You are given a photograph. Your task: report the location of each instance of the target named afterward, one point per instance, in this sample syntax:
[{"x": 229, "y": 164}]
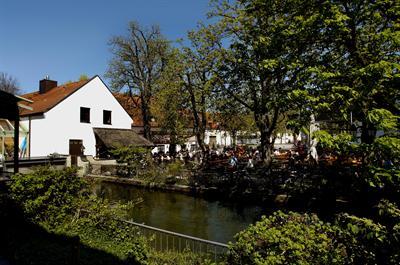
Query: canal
[{"x": 208, "y": 219}]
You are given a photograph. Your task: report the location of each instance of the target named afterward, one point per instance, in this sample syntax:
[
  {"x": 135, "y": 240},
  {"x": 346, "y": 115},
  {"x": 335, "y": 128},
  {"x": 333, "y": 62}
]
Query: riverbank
[
  {"x": 185, "y": 189},
  {"x": 202, "y": 191},
  {"x": 325, "y": 190}
]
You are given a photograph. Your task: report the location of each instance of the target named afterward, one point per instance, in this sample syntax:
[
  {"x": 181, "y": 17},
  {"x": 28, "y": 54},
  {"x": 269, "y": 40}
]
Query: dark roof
[
  {"x": 46, "y": 101},
  {"x": 120, "y": 137}
]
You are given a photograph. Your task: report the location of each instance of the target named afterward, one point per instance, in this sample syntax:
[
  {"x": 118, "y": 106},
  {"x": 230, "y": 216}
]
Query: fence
[{"x": 164, "y": 240}]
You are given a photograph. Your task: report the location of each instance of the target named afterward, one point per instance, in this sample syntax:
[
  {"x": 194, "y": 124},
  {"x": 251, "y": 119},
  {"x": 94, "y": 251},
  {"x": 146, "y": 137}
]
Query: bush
[
  {"x": 288, "y": 239},
  {"x": 373, "y": 241},
  {"x": 135, "y": 159},
  {"x": 363, "y": 238},
  {"x": 47, "y": 194},
  {"x": 57, "y": 201},
  {"x": 99, "y": 225}
]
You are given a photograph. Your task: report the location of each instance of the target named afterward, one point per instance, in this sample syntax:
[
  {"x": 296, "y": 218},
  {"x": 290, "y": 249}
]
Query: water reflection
[{"x": 212, "y": 220}]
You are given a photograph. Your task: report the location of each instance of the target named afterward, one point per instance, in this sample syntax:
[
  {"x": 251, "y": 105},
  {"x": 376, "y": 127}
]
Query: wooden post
[{"x": 16, "y": 139}]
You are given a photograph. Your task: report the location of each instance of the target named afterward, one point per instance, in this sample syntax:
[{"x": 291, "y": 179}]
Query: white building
[{"x": 63, "y": 117}]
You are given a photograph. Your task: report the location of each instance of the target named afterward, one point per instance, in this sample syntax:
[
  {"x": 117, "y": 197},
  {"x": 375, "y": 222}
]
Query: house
[
  {"x": 214, "y": 137},
  {"x": 64, "y": 118}
]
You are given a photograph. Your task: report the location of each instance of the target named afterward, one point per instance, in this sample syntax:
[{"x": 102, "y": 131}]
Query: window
[
  {"x": 106, "y": 116},
  {"x": 85, "y": 115}
]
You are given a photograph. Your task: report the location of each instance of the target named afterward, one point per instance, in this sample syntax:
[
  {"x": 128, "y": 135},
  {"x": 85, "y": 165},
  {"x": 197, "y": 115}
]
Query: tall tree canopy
[
  {"x": 137, "y": 63},
  {"x": 358, "y": 53},
  {"x": 170, "y": 103},
  {"x": 193, "y": 70},
  {"x": 269, "y": 43}
]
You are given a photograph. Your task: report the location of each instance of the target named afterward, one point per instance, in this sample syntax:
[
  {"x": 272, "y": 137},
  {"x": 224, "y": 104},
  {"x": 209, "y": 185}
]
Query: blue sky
[{"x": 64, "y": 39}]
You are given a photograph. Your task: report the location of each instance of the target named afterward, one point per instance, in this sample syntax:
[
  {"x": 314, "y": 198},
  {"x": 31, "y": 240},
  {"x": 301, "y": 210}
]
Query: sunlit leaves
[{"x": 383, "y": 119}]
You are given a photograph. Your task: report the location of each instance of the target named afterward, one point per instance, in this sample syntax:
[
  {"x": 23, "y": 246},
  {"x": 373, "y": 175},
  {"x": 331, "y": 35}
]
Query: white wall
[
  {"x": 62, "y": 123},
  {"x": 223, "y": 138}
]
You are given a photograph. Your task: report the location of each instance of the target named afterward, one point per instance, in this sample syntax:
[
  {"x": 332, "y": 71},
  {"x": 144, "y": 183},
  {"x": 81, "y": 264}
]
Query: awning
[{"x": 113, "y": 138}]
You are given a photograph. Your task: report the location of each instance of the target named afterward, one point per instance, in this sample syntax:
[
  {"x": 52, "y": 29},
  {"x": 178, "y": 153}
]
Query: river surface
[{"x": 212, "y": 220}]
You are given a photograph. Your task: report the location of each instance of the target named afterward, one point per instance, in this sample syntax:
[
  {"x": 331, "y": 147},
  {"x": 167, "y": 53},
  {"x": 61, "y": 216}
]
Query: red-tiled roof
[
  {"x": 46, "y": 101},
  {"x": 132, "y": 105}
]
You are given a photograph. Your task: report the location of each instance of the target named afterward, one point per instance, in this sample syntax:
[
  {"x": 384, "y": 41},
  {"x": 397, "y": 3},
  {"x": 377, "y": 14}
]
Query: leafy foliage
[
  {"x": 356, "y": 68},
  {"x": 257, "y": 71},
  {"x": 288, "y": 239},
  {"x": 341, "y": 143},
  {"x": 373, "y": 241},
  {"x": 56, "y": 201},
  {"x": 134, "y": 159},
  {"x": 170, "y": 103},
  {"x": 383, "y": 119},
  {"x": 46, "y": 194},
  {"x": 99, "y": 224}
]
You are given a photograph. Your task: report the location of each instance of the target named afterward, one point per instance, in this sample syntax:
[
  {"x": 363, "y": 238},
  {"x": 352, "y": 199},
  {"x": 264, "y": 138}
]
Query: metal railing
[{"x": 164, "y": 240}]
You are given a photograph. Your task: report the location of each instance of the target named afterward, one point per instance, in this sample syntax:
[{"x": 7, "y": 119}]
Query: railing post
[{"x": 188, "y": 241}]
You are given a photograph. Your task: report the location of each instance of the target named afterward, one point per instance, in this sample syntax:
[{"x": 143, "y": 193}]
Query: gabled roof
[{"x": 46, "y": 101}]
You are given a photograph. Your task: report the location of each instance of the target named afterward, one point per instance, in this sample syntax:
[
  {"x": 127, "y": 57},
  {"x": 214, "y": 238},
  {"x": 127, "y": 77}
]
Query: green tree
[
  {"x": 357, "y": 65},
  {"x": 198, "y": 76},
  {"x": 170, "y": 104},
  {"x": 234, "y": 119},
  {"x": 269, "y": 41},
  {"x": 195, "y": 67},
  {"x": 137, "y": 63}
]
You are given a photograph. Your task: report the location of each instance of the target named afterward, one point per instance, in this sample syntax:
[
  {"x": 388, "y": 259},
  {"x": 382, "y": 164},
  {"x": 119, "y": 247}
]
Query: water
[{"x": 211, "y": 220}]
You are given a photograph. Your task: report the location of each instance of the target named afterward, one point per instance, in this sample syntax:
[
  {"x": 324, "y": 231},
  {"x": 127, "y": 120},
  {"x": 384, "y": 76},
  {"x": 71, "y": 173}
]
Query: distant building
[
  {"x": 214, "y": 137},
  {"x": 63, "y": 118}
]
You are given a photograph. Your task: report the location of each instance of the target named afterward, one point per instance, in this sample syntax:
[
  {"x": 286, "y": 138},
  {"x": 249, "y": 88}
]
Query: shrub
[
  {"x": 373, "y": 241},
  {"x": 57, "y": 201},
  {"x": 47, "y": 194},
  {"x": 288, "y": 239},
  {"x": 363, "y": 238},
  {"x": 135, "y": 159},
  {"x": 99, "y": 225}
]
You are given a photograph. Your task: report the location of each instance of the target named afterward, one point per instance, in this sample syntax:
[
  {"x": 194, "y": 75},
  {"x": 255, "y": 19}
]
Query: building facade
[{"x": 63, "y": 117}]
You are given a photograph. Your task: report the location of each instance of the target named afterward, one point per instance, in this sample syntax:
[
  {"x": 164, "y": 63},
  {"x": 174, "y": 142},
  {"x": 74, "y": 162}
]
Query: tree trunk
[
  {"x": 367, "y": 134},
  {"x": 266, "y": 148},
  {"x": 146, "y": 119},
  {"x": 295, "y": 138},
  {"x": 234, "y": 134},
  {"x": 199, "y": 129},
  {"x": 172, "y": 149}
]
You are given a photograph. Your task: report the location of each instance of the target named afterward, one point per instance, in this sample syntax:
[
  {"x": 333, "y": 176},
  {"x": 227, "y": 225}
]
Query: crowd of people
[{"x": 237, "y": 157}]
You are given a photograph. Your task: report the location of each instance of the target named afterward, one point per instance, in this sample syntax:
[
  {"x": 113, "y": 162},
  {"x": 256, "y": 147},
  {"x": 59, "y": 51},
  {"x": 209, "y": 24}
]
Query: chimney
[{"x": 46, "y": 85}]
